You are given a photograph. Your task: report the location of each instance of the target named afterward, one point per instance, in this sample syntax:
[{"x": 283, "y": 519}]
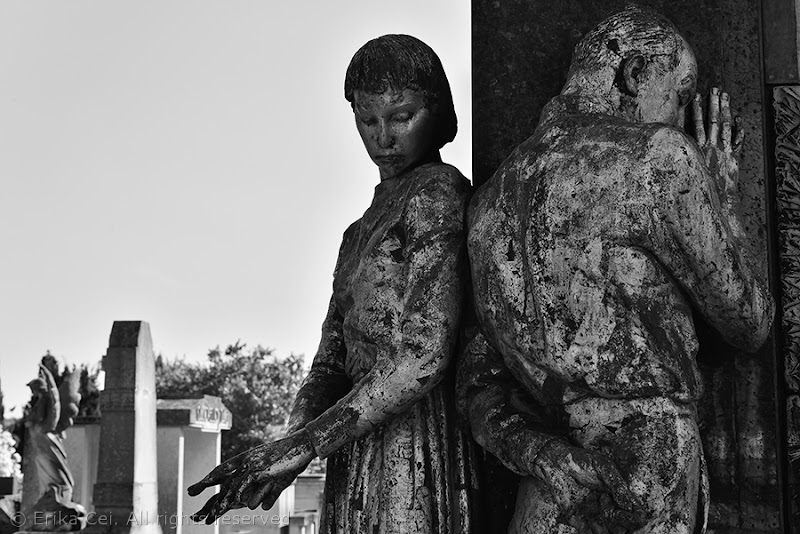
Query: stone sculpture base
[{"x": 55, "y": 512}]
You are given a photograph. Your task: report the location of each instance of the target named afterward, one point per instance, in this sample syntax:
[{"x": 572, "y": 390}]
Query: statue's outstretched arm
[
  {"x": 431, "y": 306},
  {"x": 700, "y": 241}
]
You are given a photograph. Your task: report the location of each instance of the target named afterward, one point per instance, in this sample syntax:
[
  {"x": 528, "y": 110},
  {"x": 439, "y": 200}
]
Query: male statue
[{"x": 592, "y": 248}]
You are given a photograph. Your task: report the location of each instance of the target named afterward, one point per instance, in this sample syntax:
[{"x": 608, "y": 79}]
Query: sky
[{"x": 189, "y": 163}]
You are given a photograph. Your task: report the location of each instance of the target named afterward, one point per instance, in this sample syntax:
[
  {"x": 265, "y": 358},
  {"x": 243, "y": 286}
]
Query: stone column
[{"x": 126, "y": 492}]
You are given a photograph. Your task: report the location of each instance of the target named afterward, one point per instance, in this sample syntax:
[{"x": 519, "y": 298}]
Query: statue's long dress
[{"x": 397, "y": 458}]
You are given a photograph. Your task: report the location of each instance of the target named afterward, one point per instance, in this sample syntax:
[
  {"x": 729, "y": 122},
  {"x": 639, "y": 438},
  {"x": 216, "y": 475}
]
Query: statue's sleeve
[
  {"x": 504, "y": 418},
  {"x": 695, "y": 244},
  {"x": 326, "y": 381},
  {"x": 434, "y": 268}
]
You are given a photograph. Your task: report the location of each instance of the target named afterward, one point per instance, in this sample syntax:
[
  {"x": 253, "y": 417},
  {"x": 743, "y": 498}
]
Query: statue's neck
[{"x": 578, "y": 102}]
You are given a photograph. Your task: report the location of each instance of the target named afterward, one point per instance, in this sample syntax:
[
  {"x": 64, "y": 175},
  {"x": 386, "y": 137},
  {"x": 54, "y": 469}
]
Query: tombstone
[
  {"x": 126, "y": 492},
  {"x": 521, "y": 54},
  {"x": 189, "y": 445}
]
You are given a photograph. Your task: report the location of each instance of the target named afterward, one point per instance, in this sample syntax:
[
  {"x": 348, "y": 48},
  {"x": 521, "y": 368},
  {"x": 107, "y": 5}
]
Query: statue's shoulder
[
  {"x": 351, "y": 232},
  {"x": 664, "y": 135},
  {"x": 439, "y": 171},
  {"x": 439, "y": 179},
  {"x": 670, "y": 148}
]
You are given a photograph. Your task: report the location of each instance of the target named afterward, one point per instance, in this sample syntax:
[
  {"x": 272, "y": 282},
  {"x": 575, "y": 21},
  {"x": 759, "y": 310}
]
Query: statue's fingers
[
  {"x": 275, "y": 491},
  {"x": 269, "y": 499},
  {"x": 257, "y": 495},
  {"x": 203, "y": 513},
  {"x": 616, "y": 486},
  {"x": 598, "y": 528},
  {"x": 738, "y": 140},
  {"x": 713, "y": 117},
  {"x": 225, "y": 502},
  {"x": 244, "y": 487},
  {"x": 699, "y": 126},
  {"x": 624, "y": 521},
  {"x": 725, "y": 120},
  {"x": 218, "y": 475}
]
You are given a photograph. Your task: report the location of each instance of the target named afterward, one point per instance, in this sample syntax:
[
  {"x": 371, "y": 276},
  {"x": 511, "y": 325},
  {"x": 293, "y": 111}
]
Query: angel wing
[{"x": 69, "y": 399}]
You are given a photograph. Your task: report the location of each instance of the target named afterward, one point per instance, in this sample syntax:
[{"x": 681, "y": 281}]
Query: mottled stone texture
[
  {"x": 126, "y": 492},
  {"x": 787, "y": 169},
  {"x": 387, "y": 340},
  {"x": 521, "y": 55}
]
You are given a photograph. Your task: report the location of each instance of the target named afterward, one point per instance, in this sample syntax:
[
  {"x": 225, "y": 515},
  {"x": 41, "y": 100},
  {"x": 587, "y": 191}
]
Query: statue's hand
[
  {"x": 722, "y": 145},
  {"x": 257, "y": 476},
  {"x": 588, "y": 484}
]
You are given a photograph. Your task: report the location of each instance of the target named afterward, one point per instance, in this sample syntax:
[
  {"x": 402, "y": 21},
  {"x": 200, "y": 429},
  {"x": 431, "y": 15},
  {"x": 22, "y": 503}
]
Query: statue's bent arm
[
  {"x": 326, "y": 381},
  {"x": 699, "y": 250},
  {"x": 494, "y": 403},
  {"x": 428, "y": 323}
]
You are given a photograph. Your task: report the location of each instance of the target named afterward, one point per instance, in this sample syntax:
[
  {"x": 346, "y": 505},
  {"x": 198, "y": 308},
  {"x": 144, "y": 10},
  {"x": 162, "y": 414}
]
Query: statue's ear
[{"x": 632, "y": 67}]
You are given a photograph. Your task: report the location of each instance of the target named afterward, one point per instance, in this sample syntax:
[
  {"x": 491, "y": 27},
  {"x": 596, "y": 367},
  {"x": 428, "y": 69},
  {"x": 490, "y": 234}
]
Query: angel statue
[{"x": 52, "y": 410}]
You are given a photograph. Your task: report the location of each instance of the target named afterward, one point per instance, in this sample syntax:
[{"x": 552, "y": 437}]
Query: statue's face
[
  {"x": 397, "y": 129},
  {"x": 664, "y": 93}
]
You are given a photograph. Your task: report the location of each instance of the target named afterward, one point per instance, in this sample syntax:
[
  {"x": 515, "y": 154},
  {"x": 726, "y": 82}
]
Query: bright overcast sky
[{"x": 188, "y": 163}]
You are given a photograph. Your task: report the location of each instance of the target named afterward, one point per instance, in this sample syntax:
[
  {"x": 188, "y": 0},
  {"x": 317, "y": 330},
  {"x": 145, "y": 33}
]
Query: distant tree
[
  {"x": 255, "y": 385},
  {"x": 90, "y": 393}
]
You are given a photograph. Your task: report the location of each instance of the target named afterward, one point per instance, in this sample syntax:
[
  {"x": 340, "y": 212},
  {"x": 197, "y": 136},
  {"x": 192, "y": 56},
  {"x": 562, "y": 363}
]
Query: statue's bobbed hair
[
  {"x": 403, "y": 62},
  {"x": 634, "y": 30}
]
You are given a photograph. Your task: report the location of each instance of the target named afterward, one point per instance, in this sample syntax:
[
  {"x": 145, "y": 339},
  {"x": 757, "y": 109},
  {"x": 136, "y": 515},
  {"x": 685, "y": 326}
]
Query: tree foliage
[
  {"x": 255, "y": 385},
  {"x": 90, "y": 393}
]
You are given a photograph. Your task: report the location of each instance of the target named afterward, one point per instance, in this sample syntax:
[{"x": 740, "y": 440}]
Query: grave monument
[{"x": 126, "y": 491}]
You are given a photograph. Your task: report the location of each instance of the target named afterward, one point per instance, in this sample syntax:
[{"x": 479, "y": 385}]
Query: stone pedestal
[{"x": 126, "y": 492}]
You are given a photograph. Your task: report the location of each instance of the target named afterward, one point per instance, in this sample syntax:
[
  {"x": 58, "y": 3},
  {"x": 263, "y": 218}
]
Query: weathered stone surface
[
  {"x": 592, "y": 248},
  {"x": 793, "y": 453},
  {"x": 126, "y": 492},
  {"x": 521, "y": 54},
  {"x": 787, "y": 169}
]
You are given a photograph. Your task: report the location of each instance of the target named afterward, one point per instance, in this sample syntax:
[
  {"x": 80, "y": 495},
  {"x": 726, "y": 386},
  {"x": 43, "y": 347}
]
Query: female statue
[{"x": 377, "y": 401}]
